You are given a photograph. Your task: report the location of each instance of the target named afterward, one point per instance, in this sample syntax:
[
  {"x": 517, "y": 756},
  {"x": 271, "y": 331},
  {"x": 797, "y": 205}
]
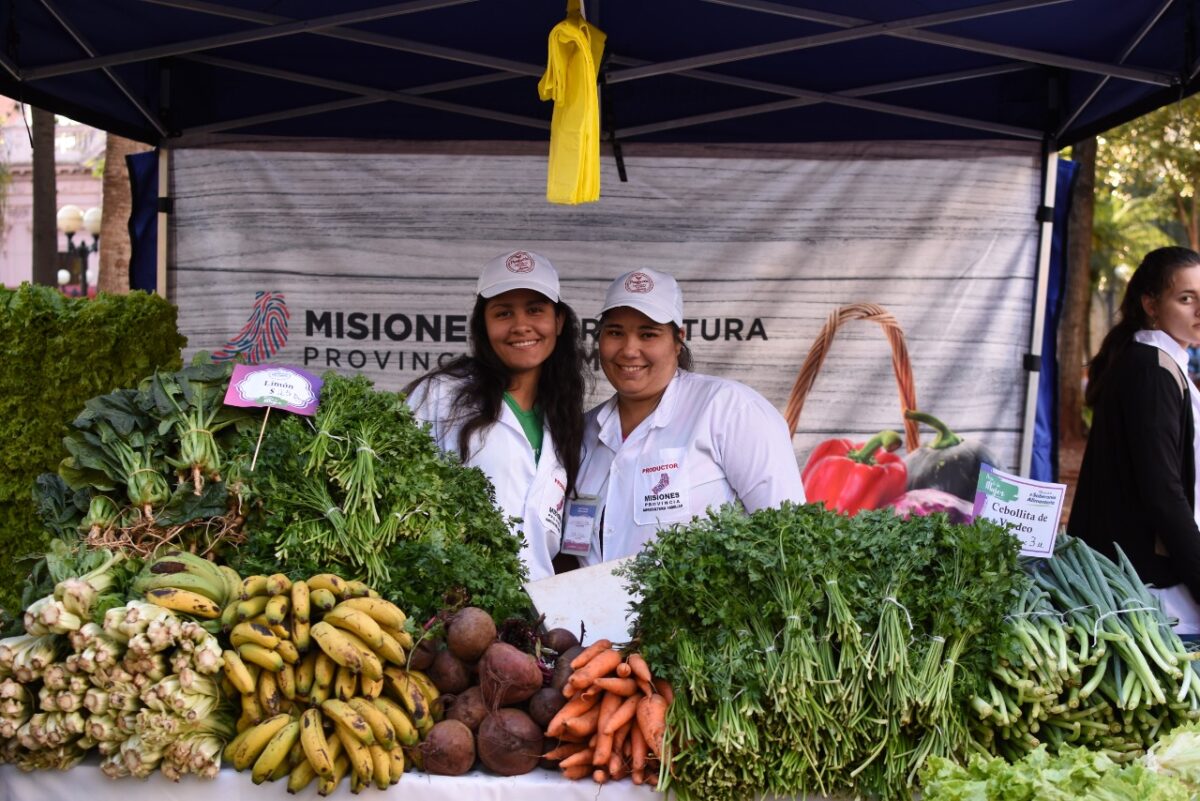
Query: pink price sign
[{"x": 275, "y": 386}]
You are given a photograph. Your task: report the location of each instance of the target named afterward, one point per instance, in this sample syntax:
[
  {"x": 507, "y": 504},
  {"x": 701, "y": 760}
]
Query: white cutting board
[{"x": 591, "y": 595}]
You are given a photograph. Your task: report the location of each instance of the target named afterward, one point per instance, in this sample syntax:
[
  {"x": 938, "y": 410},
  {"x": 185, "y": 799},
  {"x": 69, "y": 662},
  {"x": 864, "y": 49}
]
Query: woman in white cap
[
  {"x": 513, "y": 407},
  {"x": 670, "y": 443}
]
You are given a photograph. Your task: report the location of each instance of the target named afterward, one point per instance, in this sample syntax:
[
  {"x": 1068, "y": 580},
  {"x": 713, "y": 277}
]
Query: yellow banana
[
  {"x": 286, "y": 679},
  {"x": 275, "y": 752},
  {"x": 402, "y": 637},
  {"x": 306, "y": 673},
  {"x": 252, "y": 709},
  {"x": 397, "y": 757},
  {"x": 252, "y": 632},
  {"x": 344, "y": 715},
  {"x": 385, "y": 612},
  {"x": 415, "y": 757},
  {"x": 301, "y": 635},
  {"x": 381, "y": 727},
  {"x": 325, "y": 669},
  {"x": 236, "y": 672},
  {"x": 390, "y": 650},
  {"x": 227, "y": 688},
  {"x": 340, "y": 766},
  {"x": 321, "y": 599},
  {"x": 256, "y": 740},
  {"x": 229, "y": 613},
  {"x": 314, "y": 742},
  {"x": 357, "y": 589},
  {"x": 278, "y": 584},
  {"x": 234, "y": 744},
  {"x": 356, "y": 751},
  {"x": 263, "y": 657},
  {"x": 402, "y": 725},
  {"x": 252, "y": 606},
  {"x": 233, "y": 583},
  {"x": 301, "y": 603},
  {"x": 370, "y": 688},
  {"x": 370, "y": 665},
  {"x": 277, "y": 609},
  {"x": 356, "y": 622},
  {"x": 381, "y": 763},
  {"x": 288, "y": 651},
  {"x": 269, "y": 696},
  {"x": 296, "y": 755},
  {"x": 301, "y": 776},
  {"x": 410, "y": 697},
  {"x": 191, "y": 603},
  {"x": 336, "y": 643},
  {"x": 252, "y": 586},
  {"x": 345, "y": 684},
  {"x": 428, "y": 688},
  {"x": 328, "y": 582},
  {"x": 357, "y": 782}
]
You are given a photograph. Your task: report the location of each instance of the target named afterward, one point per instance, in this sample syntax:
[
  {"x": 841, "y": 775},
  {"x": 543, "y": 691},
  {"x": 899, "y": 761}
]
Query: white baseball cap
[
  {"x": 518, "y": 269},
  {"x": 654, "y": 294}
]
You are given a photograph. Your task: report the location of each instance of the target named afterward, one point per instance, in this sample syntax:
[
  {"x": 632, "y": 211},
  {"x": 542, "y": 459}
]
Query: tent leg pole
[
  {"x": 1045, "y": 236},
  {"x": 164, "y": 192}
]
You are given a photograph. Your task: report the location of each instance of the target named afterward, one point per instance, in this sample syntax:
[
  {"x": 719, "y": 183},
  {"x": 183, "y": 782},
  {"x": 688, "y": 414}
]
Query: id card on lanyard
[{"x": 582, "y": 514}]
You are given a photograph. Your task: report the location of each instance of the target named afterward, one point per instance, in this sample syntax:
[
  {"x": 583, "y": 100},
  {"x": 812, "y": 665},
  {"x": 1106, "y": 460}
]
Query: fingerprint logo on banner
[
  {"x": 264, "y": 334},
  {"x": 662, "y": 484}
]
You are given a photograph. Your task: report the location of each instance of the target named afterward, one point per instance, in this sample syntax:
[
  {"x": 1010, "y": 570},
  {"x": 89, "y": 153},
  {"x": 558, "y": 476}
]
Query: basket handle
[{"x": 820, "y": 348}]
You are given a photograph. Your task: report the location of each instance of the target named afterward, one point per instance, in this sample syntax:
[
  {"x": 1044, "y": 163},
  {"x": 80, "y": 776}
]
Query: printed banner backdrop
[{"x": 367, "y": 262}]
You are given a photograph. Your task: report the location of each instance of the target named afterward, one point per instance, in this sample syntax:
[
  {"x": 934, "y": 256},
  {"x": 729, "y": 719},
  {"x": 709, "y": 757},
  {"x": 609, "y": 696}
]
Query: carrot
[
  {"x": 597, "y": 667},
  {"x": 563, "y": 751},
  {"x": 603, "y": 750},
  {"x": 625, "y": 687},
  {"x": 609, "y": 704},
  {"x": 583, "y": 757},
  {"x": 646, "y": 687},
  {"x": 585, "y": 723},
  {"x": 600, "y": 776},
  {"x": 586, "y": 654},
  {"x": 577, "y": 772},
  {"x": 573, "y": 708},
  {"x": 571, "y": 738},
  {"x": 624, "y": 714},
  {"x": 639, "y": 666},
  {"x": 639, "y": 775},
  {"x": 618, "y": 768},
  {"x": 652, "y": 718},
  {"x": 665, "y": 690},
  {"x": 637, "y": 749},
  {"x": 569, "y": 690},
  {"x": 591, "y": 692},
  {"x": 621, "y": 738},
  {"x": 624, "y": 670}
]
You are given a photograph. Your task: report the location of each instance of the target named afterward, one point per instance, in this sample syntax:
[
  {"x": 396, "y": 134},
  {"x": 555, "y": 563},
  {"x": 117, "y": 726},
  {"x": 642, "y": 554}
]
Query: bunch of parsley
[{"x": 813, "y": 652}]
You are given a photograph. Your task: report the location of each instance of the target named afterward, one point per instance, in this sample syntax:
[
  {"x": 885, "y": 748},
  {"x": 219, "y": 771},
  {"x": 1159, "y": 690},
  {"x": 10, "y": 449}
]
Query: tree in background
[{"x": 115, "y": 248}]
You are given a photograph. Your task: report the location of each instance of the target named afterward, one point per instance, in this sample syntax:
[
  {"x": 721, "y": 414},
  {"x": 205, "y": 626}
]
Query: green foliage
[
  {"x": 813, "y": 652},
  {"x": 361, "y": 490},
  {"x": 58, "y": 352}
]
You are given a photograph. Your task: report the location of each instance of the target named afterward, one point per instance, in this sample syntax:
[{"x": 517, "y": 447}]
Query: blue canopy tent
[{"x": 176, "y": 72}]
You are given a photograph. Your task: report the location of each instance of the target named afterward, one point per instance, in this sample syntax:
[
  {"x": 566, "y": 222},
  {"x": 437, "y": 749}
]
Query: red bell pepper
[{"x": 848, "y": 478}]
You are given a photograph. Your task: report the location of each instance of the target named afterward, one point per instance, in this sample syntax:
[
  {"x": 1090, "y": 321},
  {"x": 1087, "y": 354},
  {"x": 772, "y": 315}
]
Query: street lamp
[{"x": 70, "y": 219}]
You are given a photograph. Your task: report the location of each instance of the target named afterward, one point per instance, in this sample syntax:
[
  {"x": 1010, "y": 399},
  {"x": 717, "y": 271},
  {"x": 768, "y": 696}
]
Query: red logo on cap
[
  {"x": 519, "y": 262},
  {"x": 639, "y": 283}
]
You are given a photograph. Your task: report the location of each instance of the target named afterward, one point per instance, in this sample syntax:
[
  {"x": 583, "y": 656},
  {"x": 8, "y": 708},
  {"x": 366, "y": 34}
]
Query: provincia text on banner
[{"x": 1030, "y": 509}]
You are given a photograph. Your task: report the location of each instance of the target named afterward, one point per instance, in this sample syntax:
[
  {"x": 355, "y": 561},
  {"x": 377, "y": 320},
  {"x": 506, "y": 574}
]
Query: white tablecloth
[{"x": 87, "y": 783}]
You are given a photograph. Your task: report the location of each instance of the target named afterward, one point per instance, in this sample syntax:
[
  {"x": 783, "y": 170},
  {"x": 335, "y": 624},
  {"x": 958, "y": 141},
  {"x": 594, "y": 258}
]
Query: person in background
[
  {"x": 669, "y": 443},
  {"x": 1138, "y": 481},
  {"x": 514, "y": 406}
]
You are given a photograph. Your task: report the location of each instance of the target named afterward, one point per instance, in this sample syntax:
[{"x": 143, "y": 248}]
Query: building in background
[{"x": 78, "y": 152}]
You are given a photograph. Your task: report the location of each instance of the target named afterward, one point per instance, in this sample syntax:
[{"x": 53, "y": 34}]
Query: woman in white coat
[
  {"x": 670, "y": 443},
  {"x": 513, "y": 407}
]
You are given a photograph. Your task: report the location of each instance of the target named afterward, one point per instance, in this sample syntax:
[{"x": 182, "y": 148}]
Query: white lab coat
[
  {"x": 709, "y": 442},
  {"x": 532, "y": 491}
]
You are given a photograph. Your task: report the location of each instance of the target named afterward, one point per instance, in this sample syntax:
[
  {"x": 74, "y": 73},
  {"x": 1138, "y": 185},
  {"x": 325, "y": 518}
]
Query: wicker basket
[{"x": 901, "y": 365}]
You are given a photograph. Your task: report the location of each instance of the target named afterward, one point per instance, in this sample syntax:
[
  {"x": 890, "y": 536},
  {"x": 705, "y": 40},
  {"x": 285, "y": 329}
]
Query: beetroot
[
  {"x": 544, "y": 705},
  {"x": 468, "y": 708},
  {"x": 562, "y": 667},
  {"x": 558, "y": 640},
  {"x": 928, "y": 501},
  {"x": 448, "y": 673},
  {"x": 507, "y": 675},
  {"x": 469, "y": 633},
  {"x": 423, "y": 654},
  {"x": 449, "y": 749},
  {"x": 510, "y": 743}
]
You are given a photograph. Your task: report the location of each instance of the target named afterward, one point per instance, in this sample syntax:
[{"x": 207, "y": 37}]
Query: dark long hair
[
  {"x": 1152, "y": 278},
  {"x": 560, "y": 391}
]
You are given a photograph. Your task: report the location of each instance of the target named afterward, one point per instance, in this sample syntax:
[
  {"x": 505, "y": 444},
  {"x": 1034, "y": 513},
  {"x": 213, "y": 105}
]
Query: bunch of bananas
[
  {"x": 319, "y": 665},
  {"x": 187, "y": 583}
]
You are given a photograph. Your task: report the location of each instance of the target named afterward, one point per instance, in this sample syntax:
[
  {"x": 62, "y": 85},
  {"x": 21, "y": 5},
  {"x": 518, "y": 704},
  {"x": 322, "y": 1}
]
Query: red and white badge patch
[
  {"x": 639, "y": 283},
  {"x": 519, "y": 262}
]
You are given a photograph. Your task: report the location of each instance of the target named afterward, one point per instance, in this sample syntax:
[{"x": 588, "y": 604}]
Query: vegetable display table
[{"x": 86, "y": 783}]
